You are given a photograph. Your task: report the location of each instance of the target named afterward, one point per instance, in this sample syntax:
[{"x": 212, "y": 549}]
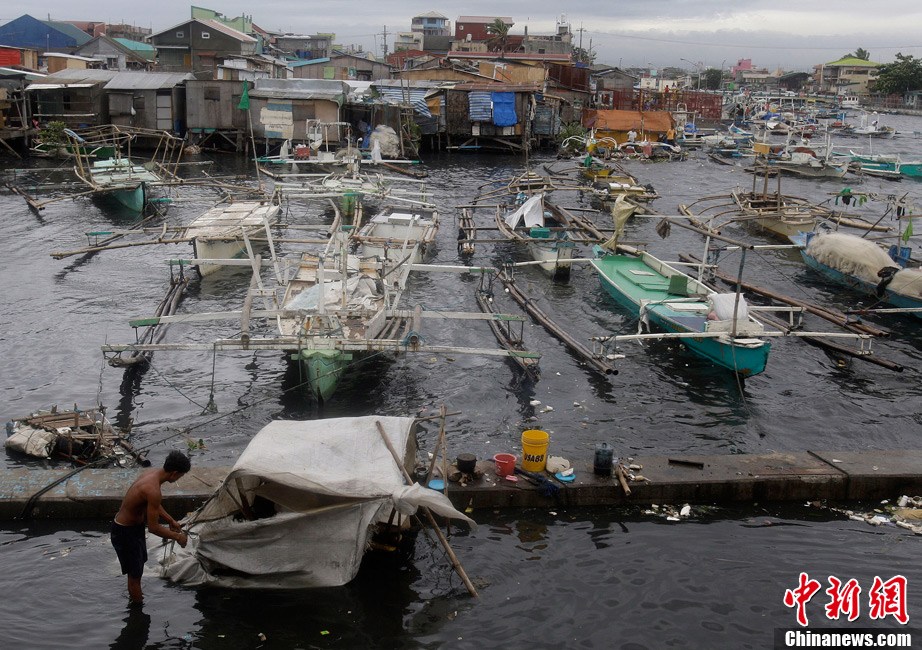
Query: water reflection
[{"x": 135, "y": 632}]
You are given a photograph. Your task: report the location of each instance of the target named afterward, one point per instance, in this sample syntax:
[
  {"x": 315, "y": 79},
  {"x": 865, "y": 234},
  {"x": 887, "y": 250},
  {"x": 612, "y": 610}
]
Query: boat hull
[
  {"x": 133, "y": 199},
  {"x": 856, "y": 283},
  {"x": 745, "y": 356},
  {"x": 555, "y": 257},
  {"x": 323, "y": 369}
]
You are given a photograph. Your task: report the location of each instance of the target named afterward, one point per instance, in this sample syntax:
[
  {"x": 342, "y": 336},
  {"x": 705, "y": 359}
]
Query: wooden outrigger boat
[
  {"x": 76, "y": 435},
  {"x": 716, "y": 327},
  {"x": 862, "y": 265},
  {"x": 781, "y": 215},
  {"x": 120, "y": 177},
  {"x": 543, "y": 228},
  {"x": 397, "y": 235},
  {"x": 336, "y": 296}
]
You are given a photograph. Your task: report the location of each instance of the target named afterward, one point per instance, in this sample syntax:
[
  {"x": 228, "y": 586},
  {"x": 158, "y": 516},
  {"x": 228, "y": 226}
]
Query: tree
[
  {"x": 583, "y": 56},
  {"x": 862, "y": 54},
  {"x": 903, "y": 76},
  {"x": 500, "y": 33},
  {"x": 713, "y": 78}
]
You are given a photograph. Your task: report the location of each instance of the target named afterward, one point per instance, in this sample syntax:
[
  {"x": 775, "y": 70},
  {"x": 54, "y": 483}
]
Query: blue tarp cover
[{"x": 504, "y": 109}]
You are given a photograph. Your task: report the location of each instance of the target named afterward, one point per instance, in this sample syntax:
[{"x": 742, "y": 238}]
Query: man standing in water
[{"x": 141, "y": 506}]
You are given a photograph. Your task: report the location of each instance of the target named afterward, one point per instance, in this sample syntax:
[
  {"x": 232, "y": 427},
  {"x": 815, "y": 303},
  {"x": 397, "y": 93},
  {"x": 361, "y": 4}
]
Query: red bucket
[{"x": 505, "y": 464}]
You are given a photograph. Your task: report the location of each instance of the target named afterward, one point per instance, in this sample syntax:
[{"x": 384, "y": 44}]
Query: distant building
[
  {"x": 431, "y": 24},
  {"x": 474, "y": 28},
  {"x": 96, "y": 28},
  {"x": 116, "y": 55},
  {"x": 344, "y": 67},
  {"x": 609, "y": 85},
  {"x": 199, "y": 46},
  {"x": 42, "y": 35},
  {"x": 561, "y": 42},
  {"x": 847, "y": 76},
  {"x": 300, "y": 46}
]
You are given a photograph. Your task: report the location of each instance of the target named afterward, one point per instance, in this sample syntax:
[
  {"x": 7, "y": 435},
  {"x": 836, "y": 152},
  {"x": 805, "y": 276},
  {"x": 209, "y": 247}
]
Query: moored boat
[
  {"x": 543, "y": 228},
  {"x": 219, "y": 233},
  {"x": 716, "y": 327},
  {"x": 855, "y": 262},
  {"x": 398, "y": 234}
]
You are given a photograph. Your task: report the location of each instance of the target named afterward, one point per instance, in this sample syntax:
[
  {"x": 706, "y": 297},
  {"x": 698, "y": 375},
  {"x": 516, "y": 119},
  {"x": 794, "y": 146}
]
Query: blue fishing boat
[
  {"x": 862, "y": 265},
  {"x": 714, "y": 326}
]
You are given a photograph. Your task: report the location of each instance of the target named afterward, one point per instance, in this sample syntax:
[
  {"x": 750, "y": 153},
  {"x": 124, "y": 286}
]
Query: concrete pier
[{"x": 797, "y": 476}]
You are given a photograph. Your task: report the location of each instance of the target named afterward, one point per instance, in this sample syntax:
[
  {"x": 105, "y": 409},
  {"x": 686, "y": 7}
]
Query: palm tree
[
  {"x": 861, "y": 53},
  {"x": 499, "y": 30}
]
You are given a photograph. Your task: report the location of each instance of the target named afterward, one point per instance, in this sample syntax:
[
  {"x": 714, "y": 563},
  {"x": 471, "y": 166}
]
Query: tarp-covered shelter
[
  {"x": 648, "y": 125},
  {"x": 298, "y": 506},
  {"x": 488, "y": 115}
]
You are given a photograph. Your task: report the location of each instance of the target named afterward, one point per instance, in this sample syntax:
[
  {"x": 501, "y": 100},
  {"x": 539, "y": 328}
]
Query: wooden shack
[
  {"x": 75, "y": 97},
  {"x": 278, "y": 109},
  {"x": 148, "y": 100},
  {"x": 490, "y": 116}
]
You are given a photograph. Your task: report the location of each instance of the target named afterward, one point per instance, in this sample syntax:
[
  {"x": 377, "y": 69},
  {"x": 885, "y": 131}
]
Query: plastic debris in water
[{"x": 535, "y": 402}]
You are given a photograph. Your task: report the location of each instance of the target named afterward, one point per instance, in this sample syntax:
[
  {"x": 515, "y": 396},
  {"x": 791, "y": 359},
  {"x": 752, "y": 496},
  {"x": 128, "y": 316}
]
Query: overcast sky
[{"x": 632, "y": 33}]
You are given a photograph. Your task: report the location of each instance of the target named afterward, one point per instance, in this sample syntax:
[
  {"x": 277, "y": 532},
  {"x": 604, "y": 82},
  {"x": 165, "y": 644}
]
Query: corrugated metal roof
[
  {"x": 240, "y": 36},
  {"x": 135, "y": 45},
  {"x": 298, "y": 64},
  {"x": 230, "y": 31},
  {"x": 330, "y": 89},
  {"x": 73, "y": 75},
  {"x": 147, "y": 80},
  {"x": 398, "y": 95}
]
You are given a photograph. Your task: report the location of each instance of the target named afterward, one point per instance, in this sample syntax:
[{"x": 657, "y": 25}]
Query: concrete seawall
[{"x": 798, "y": 476}]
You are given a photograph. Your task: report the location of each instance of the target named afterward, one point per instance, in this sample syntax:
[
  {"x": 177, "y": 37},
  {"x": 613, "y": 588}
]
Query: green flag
[
  {"x": 244, "y": 104},
  {"x": 908, "y": 232}
]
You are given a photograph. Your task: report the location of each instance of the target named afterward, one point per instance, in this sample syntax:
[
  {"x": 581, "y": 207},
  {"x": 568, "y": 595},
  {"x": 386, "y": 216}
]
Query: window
[
  {"x": 206, "y": 35},
  {"x": 180, "y": 34}
]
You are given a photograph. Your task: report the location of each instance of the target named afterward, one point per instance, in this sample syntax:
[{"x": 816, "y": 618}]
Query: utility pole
[
  {"x": 581, "y": 30},
  {"x": 384, "y": 45}
]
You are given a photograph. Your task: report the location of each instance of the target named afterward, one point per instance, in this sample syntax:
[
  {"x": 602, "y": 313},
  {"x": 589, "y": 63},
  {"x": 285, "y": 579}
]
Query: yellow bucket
[{"x": 534, "y": 450}]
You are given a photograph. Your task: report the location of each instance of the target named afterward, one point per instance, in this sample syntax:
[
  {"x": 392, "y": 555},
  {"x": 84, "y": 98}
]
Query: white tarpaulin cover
[
  {"x": 532, "y": 211},
  {"x": 857, "y": 256},
  {"x": 327, "y": 481}
]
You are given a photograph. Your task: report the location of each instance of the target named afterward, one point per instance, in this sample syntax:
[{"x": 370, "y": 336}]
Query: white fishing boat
[
  {"x": 399, "y": 235},
  {"x": 220, "y": 233},
  {"x": 543, "y": 229}
]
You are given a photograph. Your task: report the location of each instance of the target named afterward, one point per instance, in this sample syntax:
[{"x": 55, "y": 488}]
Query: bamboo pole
[{"x": 451, "y": 554}]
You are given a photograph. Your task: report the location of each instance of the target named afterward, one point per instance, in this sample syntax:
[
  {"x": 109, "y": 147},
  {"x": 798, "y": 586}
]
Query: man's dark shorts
[{"x": 130, "y": 543}]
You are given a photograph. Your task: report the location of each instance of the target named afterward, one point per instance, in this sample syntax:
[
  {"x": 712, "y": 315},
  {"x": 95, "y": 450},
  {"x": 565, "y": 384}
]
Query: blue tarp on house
[{"x": 504, "y": 109}]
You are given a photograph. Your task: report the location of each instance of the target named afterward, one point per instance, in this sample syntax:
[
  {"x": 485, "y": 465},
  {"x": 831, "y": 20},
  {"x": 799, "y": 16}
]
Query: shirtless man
[{"x": 141, "y": 506}]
